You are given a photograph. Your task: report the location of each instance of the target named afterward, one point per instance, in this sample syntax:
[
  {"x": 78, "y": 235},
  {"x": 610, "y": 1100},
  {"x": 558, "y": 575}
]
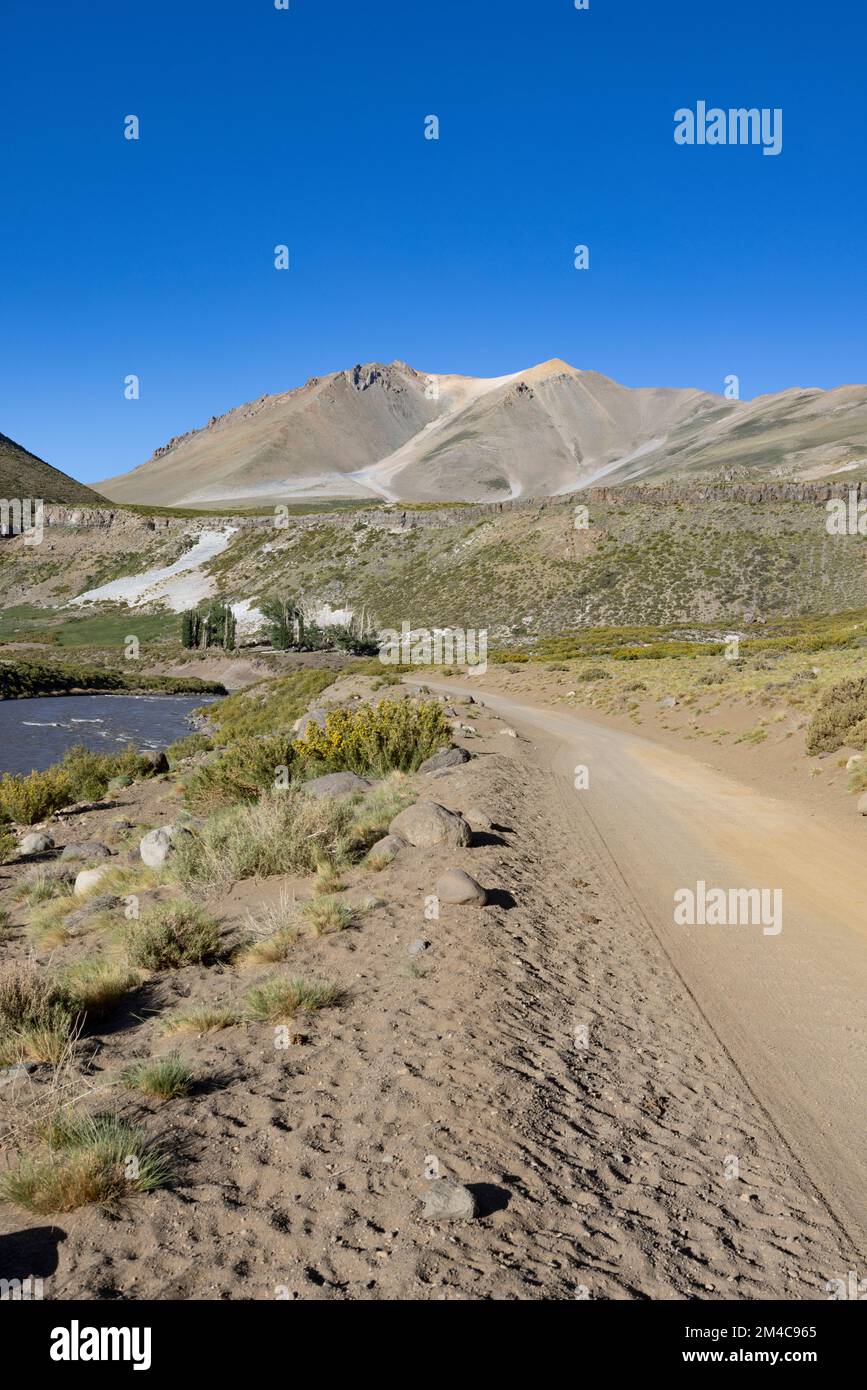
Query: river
[{"x": 37, "y": 732}]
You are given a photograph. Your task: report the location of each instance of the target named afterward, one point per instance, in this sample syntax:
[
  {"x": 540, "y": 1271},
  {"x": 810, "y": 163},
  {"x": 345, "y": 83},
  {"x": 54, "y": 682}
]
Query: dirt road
[{"x": 789, "y": 1008}]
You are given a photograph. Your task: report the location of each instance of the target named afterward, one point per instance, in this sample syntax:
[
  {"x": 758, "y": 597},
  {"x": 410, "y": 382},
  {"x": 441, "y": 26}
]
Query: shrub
[
  {"x": 32, "y": 797},
  {"x": 592, "y": 673},
  {"x": 86, "y": 1161},
  {"x": 285, "y": 832},
  {"x": 35, "y": 1021},
  {"x": 269, "y": 707},
  {"x": 174, "y": 934},
  {"x": 188, "y": 747},
  {"x": 278, "y": 999},
  {"x": 838, "y": 719},
  {"x": 163, "y": 1079},
  {"x": 391, "y": 735},
  {"x": 246, "y": 769}
]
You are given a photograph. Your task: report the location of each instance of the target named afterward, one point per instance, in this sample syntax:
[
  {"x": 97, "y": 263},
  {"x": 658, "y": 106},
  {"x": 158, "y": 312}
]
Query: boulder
[
  {"x": 316, "y": 717},
  {"x": 86, "y": 849},
  {"x": 155, "y": 760},
  {"x": 89, "y": 879},
  {"x": 445, "y": 1200},
  {"x": 387, "y": 848},
  {"x": 337, "y": 784},
  {"x": 427, "y": 824},
  {"x": 478, "y": 819},
  {"x": 456, "y": 886},
  {"x": 37, "y": 842},
  {"x": 156, "y": 846},
  {"x": 446, "y": 757}
]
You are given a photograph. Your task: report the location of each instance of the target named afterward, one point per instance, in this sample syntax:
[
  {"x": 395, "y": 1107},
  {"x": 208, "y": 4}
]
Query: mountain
[
  {"x": 22, "y": 475},
  {"x": 389, "y": 431}
]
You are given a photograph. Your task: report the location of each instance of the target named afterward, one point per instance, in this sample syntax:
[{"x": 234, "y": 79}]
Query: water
[{"x": 37, "y": 732}]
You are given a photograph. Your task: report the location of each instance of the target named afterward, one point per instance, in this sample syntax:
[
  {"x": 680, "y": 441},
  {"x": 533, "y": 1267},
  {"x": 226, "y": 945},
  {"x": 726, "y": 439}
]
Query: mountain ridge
[{"x": 390, "y": 431}]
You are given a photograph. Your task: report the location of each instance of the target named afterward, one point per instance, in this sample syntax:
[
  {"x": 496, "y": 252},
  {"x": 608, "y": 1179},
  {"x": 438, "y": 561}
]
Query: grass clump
[
  {"x": 279, "y": 999},
  {"x": 174, "y": 934},
  {"x": 326, "y": 915},
  {"x": 284, "y": 832},
  {"x": 246, "y": 769},
  {"x": 94, "y": 988},
  {"x": 161, "y": 1079},
  {"x": 35, "y": 1020},
  {"x": 203, "y": 1018},
  {"x": 85, "y": 1161}
]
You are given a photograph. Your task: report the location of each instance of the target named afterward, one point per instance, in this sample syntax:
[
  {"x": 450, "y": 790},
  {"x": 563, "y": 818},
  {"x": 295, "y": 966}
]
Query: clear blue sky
[{"x": 261, "y": 126}]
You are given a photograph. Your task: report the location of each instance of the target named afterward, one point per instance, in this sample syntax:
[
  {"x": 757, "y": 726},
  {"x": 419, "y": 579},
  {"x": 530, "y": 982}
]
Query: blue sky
[{"x": 306, "y": 127}]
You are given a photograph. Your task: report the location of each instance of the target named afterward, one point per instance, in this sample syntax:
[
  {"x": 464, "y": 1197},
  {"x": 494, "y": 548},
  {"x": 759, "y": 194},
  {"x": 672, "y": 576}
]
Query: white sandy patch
[{"x": 179, "y": 585}]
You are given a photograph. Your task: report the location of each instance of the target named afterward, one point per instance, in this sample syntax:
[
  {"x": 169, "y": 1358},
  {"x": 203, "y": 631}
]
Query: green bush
[
  {"x": 394, "y": 735},
  {"x": 246, "y": 769},
  {"x": 172, "y": 935},
  {"x": 838, "y": 719}
]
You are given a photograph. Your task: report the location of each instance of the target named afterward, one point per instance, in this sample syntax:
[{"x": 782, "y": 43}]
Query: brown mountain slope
[
  {"x": 22, "y": 475},
  {"x": 393, "y": 432}
]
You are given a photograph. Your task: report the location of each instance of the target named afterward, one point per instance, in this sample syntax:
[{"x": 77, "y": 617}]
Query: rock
[
  {"x": 387, "y": 848},
  {"x": 121, "y": 825},
  {"x": 509, "y": 733},
  {"x": 58, "y": 873},
  {"x": 427, "y": 824},
  {"x": 446, "y": 757},
  {"x": 445, "y": 1200},
  {"x": 155, "y": 759},
  {"x": 862, "y": 804},
  {"x": 456, "y": 886},
  {"x": 100, "y": 902},
  {"x": 17, "y": 1072},
  {"x": 478, "y": 820},
  {"x": 88, "y": 880},
  {"x": 156, "y": 846},
  {"x": 668, "y": 702},
  {"x": 854, "y": 760},
  {"x": 337, "y": 784},
  {"x": 419, "y": 946},
  {"x": 37, "y": 842},
  {"x": 86, "y": 849},
  {"x": 316, "y": 717}
]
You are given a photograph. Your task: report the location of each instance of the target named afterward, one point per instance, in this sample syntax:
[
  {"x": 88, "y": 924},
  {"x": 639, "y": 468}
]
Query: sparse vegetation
[
  {"x": 85, "y": 1161},
  {"x": 173, "y": 934},
  {"x": 278, "y": 999},
  {"x": 164, "y": 1078}
]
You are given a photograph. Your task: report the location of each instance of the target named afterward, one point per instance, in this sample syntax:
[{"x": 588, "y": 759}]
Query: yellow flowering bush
[{"x": 393, "y": 735}]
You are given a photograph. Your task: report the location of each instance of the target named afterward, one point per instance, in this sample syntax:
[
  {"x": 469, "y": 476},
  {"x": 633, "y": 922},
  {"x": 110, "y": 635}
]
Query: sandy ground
[{"x": 604, "y": 1169}]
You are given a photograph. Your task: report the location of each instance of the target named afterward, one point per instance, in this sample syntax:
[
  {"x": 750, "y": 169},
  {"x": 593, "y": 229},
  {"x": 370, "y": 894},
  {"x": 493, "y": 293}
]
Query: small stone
[
  {"x": 446, "y": 757},
  {"x": 337, "y": 784},
  {"x": 86, "y": 849},
  {"x": 418, "y": 947},
  {"x": 156, "y": 846},
  {"x": 667, "y": 702},
  {"x": 862, "y": 804},
  {"x": 445, "y": 1200},
  {"x": 18, "y": 1070},
  {"x": 478, "y": 819},
  {"x": 387, "y": 848},
  {"x": 155, "y": 759},
  {"x": 37, "y": 842},
  {"x": 456, "y": 886},
  {"x": 88, "y": 880},
  {"x": 508, "y": 733}
]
